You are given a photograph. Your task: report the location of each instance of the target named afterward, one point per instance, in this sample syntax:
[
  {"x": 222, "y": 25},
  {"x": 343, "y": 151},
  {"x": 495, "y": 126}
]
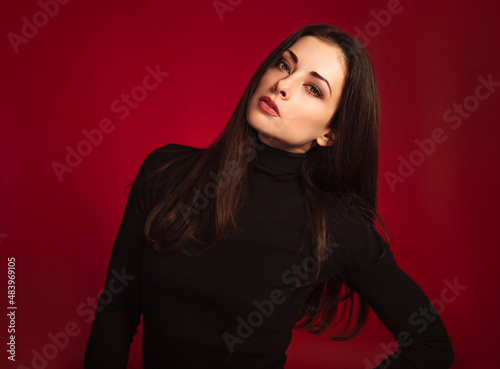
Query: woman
[{"x": 225, "y": 250}]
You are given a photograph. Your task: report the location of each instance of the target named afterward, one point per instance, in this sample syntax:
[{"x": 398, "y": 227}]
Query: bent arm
[
  {"x": 407, "y": 312},
  {"x": 397, "y": 300}
]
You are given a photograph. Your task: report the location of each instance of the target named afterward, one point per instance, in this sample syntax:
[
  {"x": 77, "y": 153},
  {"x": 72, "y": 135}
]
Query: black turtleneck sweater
[{"x": 235, "y": 306}]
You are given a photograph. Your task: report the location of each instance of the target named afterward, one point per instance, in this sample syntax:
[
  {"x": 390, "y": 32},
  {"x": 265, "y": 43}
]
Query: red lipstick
[{"x": 269, "y": 106}]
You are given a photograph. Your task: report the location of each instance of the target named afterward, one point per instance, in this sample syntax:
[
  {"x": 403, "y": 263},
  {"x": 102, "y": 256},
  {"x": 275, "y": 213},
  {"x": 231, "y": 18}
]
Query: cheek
[
  {"x": 265, "y": 81},
  {"x": 270, "y": 78},
  {"x": 310, "y": 113},
  {"x": 321, "y": 114},
  {"x": 308, "y": 110}
]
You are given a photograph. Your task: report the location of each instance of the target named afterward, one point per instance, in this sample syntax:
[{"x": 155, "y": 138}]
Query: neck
[{"x": 277, "y": 162}]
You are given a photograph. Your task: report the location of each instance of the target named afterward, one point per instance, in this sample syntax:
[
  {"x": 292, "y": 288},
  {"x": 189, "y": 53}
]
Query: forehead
[{"x": 319, "y": 56}]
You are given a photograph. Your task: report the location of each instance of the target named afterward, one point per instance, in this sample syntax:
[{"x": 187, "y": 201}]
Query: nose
[{"x": 284, "y": 87}]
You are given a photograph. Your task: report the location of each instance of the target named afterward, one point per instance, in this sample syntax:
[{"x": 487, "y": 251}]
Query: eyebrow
[{"x": 314, "y": 74}]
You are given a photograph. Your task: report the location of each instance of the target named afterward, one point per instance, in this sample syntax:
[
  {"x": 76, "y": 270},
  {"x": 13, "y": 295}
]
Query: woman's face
[{"x": 305, "y": 86}]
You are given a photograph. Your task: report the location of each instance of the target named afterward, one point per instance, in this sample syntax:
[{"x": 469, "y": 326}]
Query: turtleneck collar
[{"x": 278, "y": 163}]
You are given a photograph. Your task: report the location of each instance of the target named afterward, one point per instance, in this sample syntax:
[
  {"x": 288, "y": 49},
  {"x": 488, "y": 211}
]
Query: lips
[{"x": 271, "y": 103}]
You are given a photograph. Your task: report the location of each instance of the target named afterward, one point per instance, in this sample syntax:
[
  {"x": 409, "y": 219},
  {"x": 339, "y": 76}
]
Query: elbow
[
  {"x": 435, "y": 354},
  {"x": 448, "y": 355},
  {"x": 443, "y": 356},
  {"x": 443, "y": 353}
]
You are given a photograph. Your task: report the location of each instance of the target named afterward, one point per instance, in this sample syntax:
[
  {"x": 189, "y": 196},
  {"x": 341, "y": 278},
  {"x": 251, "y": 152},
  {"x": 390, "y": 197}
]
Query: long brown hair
[{"x": 184, "y": 216}]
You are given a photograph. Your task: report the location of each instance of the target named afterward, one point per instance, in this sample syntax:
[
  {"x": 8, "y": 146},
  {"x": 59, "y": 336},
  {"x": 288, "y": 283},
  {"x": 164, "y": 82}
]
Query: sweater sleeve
[
  {"x": 368, "y": 267},
  {"x": 119, "y": 307}
]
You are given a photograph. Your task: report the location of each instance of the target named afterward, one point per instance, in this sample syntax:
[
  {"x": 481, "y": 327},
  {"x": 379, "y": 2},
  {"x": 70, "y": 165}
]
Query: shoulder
[
  {"x": 169, "y": 154},
  {"x": 175, "y": 148},
  {"x": 160, "y": 165},
  {"x": 171, "y": 151},
  {"x": 342, "y": 212},
  {"x": 358, "y": 243},
  {"x": 341, "y": 206}
]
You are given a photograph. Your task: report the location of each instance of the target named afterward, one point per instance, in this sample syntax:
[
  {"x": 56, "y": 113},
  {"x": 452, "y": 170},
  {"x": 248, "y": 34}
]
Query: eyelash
[{"x": 318, "y": 94}]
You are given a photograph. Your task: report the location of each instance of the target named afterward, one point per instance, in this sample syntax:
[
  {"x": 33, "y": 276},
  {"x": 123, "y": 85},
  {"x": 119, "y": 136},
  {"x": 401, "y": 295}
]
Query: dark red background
[{"x": 442, "y": 219}]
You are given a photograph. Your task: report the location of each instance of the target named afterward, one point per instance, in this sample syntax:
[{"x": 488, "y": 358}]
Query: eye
[
  {"x": 283, "y": 65},
  {"x": 313, "y": 90}
]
